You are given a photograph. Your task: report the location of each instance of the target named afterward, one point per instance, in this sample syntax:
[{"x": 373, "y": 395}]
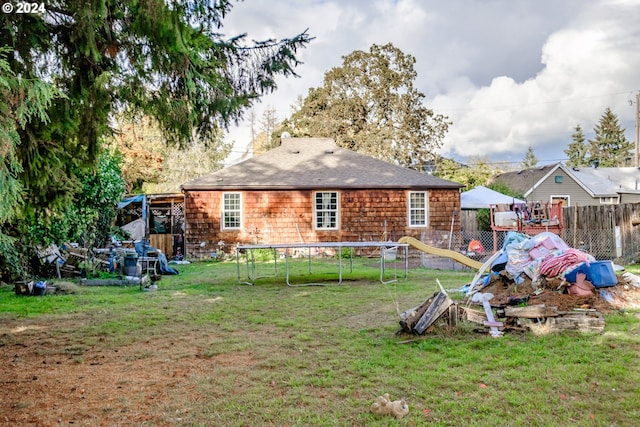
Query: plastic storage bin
[
  {"x": 505, "y": 219},
  {"x": 600, "y": 273}
]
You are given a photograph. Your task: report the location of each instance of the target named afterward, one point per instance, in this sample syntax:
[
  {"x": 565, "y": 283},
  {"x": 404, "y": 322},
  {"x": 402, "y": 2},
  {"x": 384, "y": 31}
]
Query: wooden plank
[
  {"x": 410, "y": 317},
  {"x": 438, "y": 307},
  {"x": 531, "y": 311},
  {"x": 452, "y": 316},
  {"x": 162, "y": 242},
  {"x": 475, "y": 316},
  {"x": 577, "y": 321}
]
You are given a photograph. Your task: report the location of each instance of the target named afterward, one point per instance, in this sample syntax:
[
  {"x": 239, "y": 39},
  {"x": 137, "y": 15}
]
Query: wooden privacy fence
[
  {"x": 469, "y": 220},
  {"x": 604, "y": 231}
]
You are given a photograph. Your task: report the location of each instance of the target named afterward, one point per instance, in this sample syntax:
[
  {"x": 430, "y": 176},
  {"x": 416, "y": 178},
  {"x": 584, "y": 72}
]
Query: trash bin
[
  {"x": 40, "y": 288},
  {"x": 131, "y": 264}
]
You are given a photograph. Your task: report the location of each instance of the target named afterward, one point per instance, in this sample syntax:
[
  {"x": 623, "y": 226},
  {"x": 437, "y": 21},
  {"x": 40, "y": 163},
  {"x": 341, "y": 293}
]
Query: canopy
[{"x": 483, "y": 197}]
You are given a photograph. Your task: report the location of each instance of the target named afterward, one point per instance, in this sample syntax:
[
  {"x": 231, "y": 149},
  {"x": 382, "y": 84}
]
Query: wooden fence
[
  {"x": 608, "y": 231},
  {"x": 605, "y": 231},
  {"x": 469, "y": 220}
]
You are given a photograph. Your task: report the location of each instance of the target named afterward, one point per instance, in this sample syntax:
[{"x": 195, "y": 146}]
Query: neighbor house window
[
  {"x": 566, "y": 200},
  {"x": 326, "y": 210},
  {"x": 231, "y": 210},
  {"x": 418, "y": 209},
  {"x": 608, "y": 200}
]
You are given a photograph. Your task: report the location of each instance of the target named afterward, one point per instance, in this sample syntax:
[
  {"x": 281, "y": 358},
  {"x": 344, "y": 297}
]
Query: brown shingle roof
[
  {"x": 315, "y": 163},
  {"x": 521, "y": 181}
]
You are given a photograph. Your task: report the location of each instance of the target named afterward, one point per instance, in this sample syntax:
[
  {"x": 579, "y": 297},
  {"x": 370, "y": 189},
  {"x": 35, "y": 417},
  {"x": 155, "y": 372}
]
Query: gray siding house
[{"x": 584, "y": 186}]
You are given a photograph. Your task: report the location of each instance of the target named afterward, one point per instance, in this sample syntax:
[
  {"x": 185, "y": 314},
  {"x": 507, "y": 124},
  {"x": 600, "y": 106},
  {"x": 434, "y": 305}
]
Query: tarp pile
[
  {"x": 533, "y": 282},
  {"x": 524, "y": 258}
]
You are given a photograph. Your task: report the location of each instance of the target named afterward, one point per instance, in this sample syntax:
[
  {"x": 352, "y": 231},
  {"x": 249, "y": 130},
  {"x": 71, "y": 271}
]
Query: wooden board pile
[{"x": 537, "y": 318}]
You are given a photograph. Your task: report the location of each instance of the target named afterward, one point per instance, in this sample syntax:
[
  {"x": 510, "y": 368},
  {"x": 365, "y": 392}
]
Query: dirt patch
[{"x": 49, "y": 379}]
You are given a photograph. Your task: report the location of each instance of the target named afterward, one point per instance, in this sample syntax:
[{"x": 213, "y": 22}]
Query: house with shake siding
[{"x": 311, "y": 190}]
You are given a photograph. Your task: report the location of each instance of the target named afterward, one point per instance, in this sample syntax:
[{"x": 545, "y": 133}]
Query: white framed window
[
  {"x": 565, "y": 199},
  {"x": 608, "y": 200},
  {"x": 326, "y": 210},
  {"x": 231, "y": 211},
  {"x": 418, "y": 209}
]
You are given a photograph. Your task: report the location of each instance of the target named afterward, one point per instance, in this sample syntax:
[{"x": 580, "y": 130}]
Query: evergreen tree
[
  {"x": 164, "y": 59},
  {"x": 530, "y": 160},
  {"x": 22, "y": 101},
  {"x": 609, "y": 147},
  {"x": 577, "y": 150},
  {"x": 369, "y": 104}
]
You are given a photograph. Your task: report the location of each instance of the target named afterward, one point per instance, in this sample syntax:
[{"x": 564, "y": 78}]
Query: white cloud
[
  {"x": 510, "y": 74},
  {"x": 587, "y": 67}
]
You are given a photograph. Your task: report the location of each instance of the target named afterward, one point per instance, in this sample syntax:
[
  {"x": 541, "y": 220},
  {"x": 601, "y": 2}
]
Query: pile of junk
[{"x": 535, "y": 283}]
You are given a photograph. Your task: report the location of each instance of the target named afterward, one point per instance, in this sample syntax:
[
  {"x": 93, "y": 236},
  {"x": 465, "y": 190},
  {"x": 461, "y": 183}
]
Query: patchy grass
[{"x": 229, "y": 354}]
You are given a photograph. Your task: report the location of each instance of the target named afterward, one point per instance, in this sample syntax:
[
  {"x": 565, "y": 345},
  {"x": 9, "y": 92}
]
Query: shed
[
  {"x": 311, "y": 190},
  {"x": 163, "y": 216}
]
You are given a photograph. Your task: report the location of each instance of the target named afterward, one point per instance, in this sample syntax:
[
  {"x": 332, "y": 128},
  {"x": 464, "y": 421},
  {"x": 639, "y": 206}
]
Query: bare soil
[{"x": 48, "y": 379}]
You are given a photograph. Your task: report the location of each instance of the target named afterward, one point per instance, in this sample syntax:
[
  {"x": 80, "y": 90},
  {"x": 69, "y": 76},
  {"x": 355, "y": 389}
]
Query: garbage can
[
  {"x": 131, "y": 264},
  {"x": 40, "y": 288}
]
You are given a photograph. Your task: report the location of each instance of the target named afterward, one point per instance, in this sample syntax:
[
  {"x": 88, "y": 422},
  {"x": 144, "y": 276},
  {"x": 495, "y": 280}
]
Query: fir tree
[
  {"x": 164, "y": 59},
  {"x": 609, "y": 147},
  {"x": 577, "y": 150},
  {"x": 530, "y": 160}
]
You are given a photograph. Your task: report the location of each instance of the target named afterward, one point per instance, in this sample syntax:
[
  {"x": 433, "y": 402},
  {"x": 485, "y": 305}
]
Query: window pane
[
  {"x": 231, "y": 210},
  {"x": 418, "y": 209},
  {"x": 326, "y": 204}
]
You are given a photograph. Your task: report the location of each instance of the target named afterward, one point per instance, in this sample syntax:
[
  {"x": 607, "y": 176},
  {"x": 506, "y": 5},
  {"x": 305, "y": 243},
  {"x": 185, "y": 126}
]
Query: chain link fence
[{"x": 602, "y": 244}]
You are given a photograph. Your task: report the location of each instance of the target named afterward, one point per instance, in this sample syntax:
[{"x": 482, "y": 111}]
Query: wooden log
[
  {"x": 531, "y": 311},
  {"x": 437, "y": 308}
]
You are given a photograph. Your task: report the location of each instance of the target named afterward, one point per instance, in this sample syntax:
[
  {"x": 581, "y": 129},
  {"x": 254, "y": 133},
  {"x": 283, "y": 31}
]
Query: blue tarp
[{"x": 140, "y": 198}]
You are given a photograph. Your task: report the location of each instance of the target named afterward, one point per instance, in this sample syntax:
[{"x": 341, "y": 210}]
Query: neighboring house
[
  {"x": 521, "y": 181},
  {"x": 575, "y": 186},
  {"x": 311, "y": 190}
]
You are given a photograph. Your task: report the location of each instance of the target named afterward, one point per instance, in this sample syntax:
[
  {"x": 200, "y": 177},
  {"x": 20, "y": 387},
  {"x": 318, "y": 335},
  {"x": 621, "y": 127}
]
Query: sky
[{"x": 509, "y": 74}]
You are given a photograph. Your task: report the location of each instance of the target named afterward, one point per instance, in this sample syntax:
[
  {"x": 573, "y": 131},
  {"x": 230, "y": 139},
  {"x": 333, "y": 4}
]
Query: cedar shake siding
[
  {"x": 273, "y": 199},
  {"x": 288, "y": 216}
]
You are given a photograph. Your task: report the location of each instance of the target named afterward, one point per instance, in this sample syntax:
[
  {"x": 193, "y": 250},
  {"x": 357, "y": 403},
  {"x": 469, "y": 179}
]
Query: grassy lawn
[{"x": 319, "y": 355}]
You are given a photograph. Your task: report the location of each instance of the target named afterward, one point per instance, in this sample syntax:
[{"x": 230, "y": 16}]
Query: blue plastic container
[
  {"x": 40, "y": 288},
  {"x": 131, "y": 264},
  {"x": 600, "y": 273}
]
